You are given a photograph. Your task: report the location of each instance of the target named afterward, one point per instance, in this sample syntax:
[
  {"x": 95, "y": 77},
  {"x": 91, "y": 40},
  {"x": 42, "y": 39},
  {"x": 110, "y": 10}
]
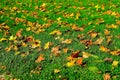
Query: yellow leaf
[
  {"x": 85, "y": 54},
  {"x": 28, "y": 29},
  {"x": 47, "y": 45},
  {"x": 104, "y": 49},
  {"x": 71, "y": 63},
  {"x": 59, "y": 18},
  {"x": 12, "y": 38},
  {"x": 3, "y": 39},
  {"x": 112, "y": 26},
  {"x": 115, "y": 63},
  {"x": 57, "y": 32},
  {"x": 56, "y": 70}
]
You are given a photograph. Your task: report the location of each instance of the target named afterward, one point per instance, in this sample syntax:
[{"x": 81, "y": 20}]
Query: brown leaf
[
  {"x": 87, "y": 43},
  {"x": 107, "y": 76},
  {"x": 29, "y": 39},
  {"x": 40, "y": 58},
  {"x": 56, "y": 51},
  {"x": 108, "y": 59},
  {"x": 75, "y": 54}
]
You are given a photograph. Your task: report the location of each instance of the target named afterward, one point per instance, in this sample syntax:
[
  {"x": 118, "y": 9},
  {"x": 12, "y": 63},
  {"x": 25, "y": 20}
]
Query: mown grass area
[{"x": 60, "y": 40}]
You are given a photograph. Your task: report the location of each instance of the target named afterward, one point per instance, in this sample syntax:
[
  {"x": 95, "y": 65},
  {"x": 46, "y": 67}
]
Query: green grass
[{"x": 50, "y": 15}]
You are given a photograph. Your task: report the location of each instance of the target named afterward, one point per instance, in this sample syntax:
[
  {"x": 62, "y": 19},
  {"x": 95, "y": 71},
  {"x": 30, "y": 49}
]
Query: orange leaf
[
  {"x": 40, "y": 58},
  {"x": 18, "y": 34},
  {"x": 107, "y": 76},
  {"x": 79, "y": 61}
]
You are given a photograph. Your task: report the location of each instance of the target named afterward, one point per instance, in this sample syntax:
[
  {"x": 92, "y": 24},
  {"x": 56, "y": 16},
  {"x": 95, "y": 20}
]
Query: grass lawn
[{"x": 59, "y": 39}]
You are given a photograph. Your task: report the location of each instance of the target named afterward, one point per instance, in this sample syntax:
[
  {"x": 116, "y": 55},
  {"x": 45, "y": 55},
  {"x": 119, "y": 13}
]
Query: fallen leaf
[
  {"x": 3, "y": 39},
  {"x": 56, "y": 71},
  {"x": 115, "y": 63},
  {"x": 56, "y": 51},
  {"x": 67, "y": 41},
  {"x": 75, "y": 54},
  {"x": 93, "y": 34},
  {"x": 87, "y": 43},
  {"x": 71, "y": 63},
  {"x": 106, "y": 32},
  {"x": 70, "y": 58},
  {"x": 107, "y": 76},
  {"x": 57, "y": 32},
  {"x": 104, "y": 49},
  {"x": 40, "y": 58},
  {"x": 99, "y": 41},
  {"x": 47, "y": 45},
  {"x": 85, "y": 54},
  {"x": 108, "y": 59},
  {"x": 65, "y": 50},
  {"x": 18, "y": 34},
  {"x": 112, "y": 26},
  {"x": 109, "y": 39},
  {"x": 115, "y": 52},
  {"x": 12, "y": 38},
  {"x": 74, "y": 27},
  {"x": 29, "y": 39},
  {"x": 79, "y": 61}
]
